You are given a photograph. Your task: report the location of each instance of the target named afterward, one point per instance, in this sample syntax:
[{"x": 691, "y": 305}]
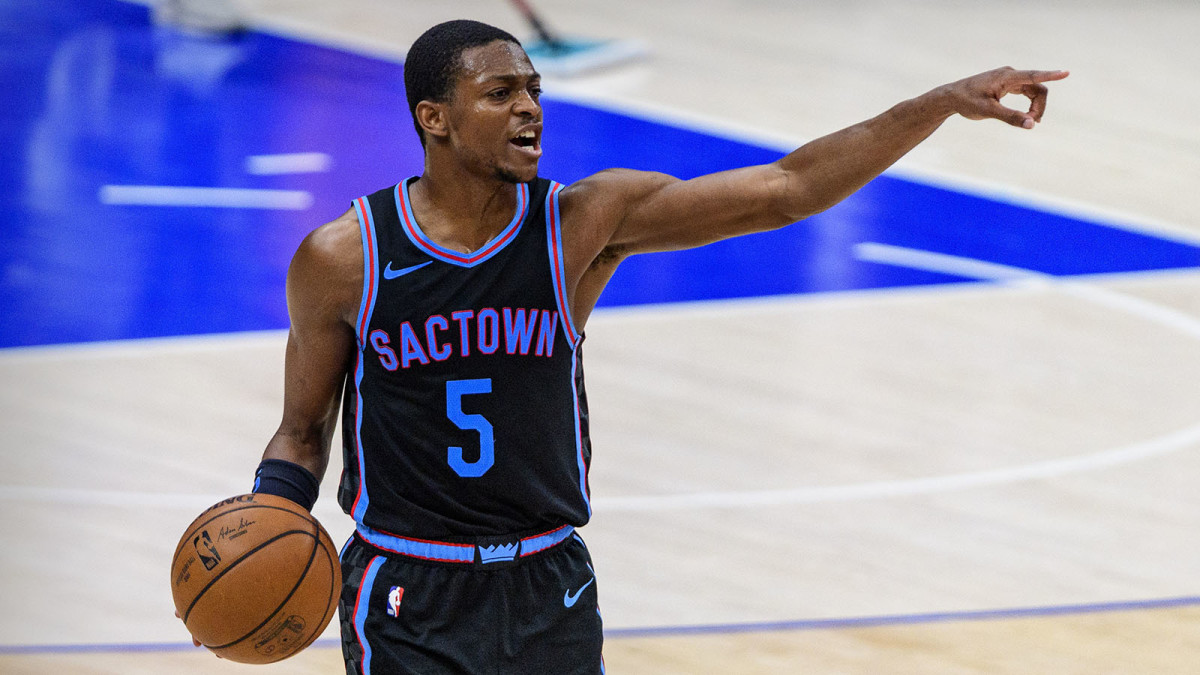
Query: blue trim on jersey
[
  {"x": 418, "y": 548},
  {"x": 583, "y": 490},
  {"x": 557, "y": 267},
  {"x": 559, "y": 278},
  {"x": 366, "y": 223},
  {"x": 361, "y": 607},
  {"x": 412, "y": 229},
  {"x": 442, "y": 551},
  {"x": 541, "y": 542},
  {"x": 366, "y": 227}
]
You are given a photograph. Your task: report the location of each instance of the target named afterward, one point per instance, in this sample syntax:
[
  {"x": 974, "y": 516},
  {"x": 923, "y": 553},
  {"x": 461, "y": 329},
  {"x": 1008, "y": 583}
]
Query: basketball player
[{"x": 447, "y": 313}]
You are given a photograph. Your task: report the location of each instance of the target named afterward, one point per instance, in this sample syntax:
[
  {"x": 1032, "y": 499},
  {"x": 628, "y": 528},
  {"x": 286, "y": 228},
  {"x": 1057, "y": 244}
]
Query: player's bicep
[{"x": 323, "y": 290}]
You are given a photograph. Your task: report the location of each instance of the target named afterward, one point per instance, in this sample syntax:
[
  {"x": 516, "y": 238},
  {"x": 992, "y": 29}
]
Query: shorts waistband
[{"x": 483, "y": 551}]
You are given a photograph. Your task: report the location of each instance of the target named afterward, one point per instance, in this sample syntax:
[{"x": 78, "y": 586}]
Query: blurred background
[{"x": 949, "y": 425}]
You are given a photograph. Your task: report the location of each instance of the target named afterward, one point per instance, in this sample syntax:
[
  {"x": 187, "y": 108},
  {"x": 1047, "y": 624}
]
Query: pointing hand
[{"x": 978, "y": 97}]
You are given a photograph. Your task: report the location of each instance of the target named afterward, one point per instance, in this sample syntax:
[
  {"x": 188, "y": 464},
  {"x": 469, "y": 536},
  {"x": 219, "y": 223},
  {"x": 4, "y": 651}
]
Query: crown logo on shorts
[{"x": 497, "y": 553}]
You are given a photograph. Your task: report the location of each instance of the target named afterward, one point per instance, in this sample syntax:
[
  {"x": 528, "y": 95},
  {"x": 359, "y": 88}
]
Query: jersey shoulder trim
[
  {"x": 557, "y": 267},
  {"x": 366, "y": 225}
]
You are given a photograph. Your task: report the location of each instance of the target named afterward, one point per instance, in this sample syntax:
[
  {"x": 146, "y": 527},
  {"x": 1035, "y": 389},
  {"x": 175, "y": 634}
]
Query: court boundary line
[
  {"x": 613, "y": 102},
  {"x": 1000, "y": 275},
  {"x": 191, "y": 196},
  {"x": 890, "y": 620},
  {"x": 864, "y": 491},
  {"x": 984, "y": 270},
  {"x": 834, "y": 623},
  {"x": 208, "y": 342},
  {"x": 906, "y": 168}
]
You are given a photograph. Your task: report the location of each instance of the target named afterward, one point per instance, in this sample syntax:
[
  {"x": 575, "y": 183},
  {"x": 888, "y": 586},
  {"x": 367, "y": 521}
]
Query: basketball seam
[
  {"x": 334, "y": 590},
  {"x": 234, "y": 563},
  {"x": 194, "y": 527},
  {"x": 311, "y": 557}
]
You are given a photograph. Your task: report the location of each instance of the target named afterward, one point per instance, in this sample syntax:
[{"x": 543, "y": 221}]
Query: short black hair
[{"x": 434, "y": 61}]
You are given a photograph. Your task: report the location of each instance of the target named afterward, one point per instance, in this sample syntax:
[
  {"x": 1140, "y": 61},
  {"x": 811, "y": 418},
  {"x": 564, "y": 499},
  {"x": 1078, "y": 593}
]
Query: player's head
[
  {"x": 435, "y": 60},
  {"x": 471, "y": 85}
]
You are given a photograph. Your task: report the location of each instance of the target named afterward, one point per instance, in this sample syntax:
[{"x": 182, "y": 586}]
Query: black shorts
[{"x": 533, "y": 614}]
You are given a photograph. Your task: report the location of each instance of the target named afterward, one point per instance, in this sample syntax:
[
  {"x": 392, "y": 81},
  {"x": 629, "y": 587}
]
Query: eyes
[{"x": 502, "y": 94}]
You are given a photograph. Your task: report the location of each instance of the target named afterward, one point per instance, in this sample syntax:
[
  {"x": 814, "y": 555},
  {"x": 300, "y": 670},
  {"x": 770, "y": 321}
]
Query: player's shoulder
[
  {"x": 336, "y": 242},
  {"x": 615, "y": 184},
  {"x": 609, "y": 193},
  {"x": 330, "y": 257}
]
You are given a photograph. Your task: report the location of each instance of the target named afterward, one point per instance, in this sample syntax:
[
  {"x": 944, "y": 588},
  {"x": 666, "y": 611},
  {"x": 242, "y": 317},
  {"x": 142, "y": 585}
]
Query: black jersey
[{"x": 465, "y": 414}]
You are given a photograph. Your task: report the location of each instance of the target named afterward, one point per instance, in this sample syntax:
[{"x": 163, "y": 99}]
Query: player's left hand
[{"x": 978, "y": 97}]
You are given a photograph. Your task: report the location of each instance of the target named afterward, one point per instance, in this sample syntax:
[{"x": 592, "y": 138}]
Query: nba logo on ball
[{"x": 394, "y": 597}]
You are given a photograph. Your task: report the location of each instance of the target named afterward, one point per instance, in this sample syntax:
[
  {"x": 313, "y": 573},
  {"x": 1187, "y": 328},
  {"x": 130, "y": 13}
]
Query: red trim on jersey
[
  {"x": 372, "y": 536},
  {"x": 557, "y": 264},
  {"x": 359, "y": 629},
  {"x": 429, "y": 246},
  {"x": 419, "y": 541},
  {"x": 369, "y": 243}
]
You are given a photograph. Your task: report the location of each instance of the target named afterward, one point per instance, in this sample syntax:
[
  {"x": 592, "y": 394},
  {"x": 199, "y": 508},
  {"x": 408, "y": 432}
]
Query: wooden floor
[{"x": 878, "y": 476}]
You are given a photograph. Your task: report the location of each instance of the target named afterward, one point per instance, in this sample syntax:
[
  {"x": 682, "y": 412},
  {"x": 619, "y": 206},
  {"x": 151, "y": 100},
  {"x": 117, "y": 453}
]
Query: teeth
[{"x": 525, "y": 134}]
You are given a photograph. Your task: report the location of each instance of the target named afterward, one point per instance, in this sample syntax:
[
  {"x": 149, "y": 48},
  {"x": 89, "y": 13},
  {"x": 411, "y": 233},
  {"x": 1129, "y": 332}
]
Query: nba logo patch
[{"x": 394, "y": 597}]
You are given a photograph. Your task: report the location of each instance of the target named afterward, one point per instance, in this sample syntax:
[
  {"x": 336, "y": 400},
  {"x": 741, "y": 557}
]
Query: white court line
[
  {"x": 587, "y": 92},
  {"x": 910, "y": 487},
  {"x": 905, "y": 169},
  {"x": 118, "y": 498},
  {"x": 174, "y": 195},
  {"x": 973, "y": 269},
  {"x": 872, "y": 490},
  {"x": 142, "y": 347},
  {"x": 873, "y": 252},
  {"x": 296, "y": 162},
  {"x": 943, "y": 263},
  {"x": 979, "y": 269}
]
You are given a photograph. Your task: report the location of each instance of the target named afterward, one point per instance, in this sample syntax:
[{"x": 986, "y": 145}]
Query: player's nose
[{"x": 526, "y": 104}]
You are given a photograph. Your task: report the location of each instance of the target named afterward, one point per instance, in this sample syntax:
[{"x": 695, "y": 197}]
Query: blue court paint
[
  {"x": 904, "y": 619},
  {"x": 93, "y": 95},
  {"x": 713, "y": 629}
]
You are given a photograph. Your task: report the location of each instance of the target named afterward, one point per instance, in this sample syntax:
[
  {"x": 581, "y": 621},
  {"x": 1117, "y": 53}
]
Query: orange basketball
[{"x": 256, "y": 578}]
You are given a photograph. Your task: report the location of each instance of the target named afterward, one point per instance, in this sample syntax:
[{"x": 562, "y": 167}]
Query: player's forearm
[{"x": 829, "y": 169}]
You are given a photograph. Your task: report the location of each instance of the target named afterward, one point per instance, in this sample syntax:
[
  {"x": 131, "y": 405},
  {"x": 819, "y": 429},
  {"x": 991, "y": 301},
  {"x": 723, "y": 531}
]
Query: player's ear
[{"x": 432, "y": 118}]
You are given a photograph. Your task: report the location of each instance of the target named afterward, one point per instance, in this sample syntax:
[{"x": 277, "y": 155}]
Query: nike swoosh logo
[
  {"x": 389, "y": 273},
  {"x": 569, "y": 598}
]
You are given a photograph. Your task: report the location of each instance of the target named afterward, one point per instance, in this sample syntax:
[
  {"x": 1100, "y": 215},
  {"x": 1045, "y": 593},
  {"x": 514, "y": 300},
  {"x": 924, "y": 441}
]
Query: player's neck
[{"x": 461, "y": 211}]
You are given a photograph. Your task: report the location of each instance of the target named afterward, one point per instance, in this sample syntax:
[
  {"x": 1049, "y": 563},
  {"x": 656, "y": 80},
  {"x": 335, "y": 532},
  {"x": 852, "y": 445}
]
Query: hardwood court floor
[
  {"x": 1127, "y": 642},
  {"x": 896, "y": 454}
]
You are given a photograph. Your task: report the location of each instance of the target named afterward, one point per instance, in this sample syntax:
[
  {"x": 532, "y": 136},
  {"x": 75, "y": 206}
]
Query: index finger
[{"x": 1036, "y": 76}]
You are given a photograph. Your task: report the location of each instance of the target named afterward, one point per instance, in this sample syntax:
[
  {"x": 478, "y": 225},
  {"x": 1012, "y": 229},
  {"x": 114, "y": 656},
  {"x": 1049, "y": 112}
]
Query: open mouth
[{"x": 525, "y": 139}]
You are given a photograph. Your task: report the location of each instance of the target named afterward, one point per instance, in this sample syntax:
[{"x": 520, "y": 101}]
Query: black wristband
[{"x": 287, "y": 479}]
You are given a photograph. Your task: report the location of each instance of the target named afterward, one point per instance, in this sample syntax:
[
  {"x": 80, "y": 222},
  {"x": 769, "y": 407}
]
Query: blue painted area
[
  {"x": 109, "y": 99},
  {"x": 713, "y": 629},
  {"x": 906, "y": 619},
  {"x": 93, "y": 94}
]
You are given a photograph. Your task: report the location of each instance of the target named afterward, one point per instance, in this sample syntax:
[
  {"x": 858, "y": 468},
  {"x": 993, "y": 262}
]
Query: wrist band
[{"x": 287, "y": 479}]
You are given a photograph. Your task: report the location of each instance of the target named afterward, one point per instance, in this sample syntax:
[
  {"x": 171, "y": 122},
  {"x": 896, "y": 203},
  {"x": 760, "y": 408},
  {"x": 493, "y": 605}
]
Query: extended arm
[
  {"x": 656, "y": 212},
  {"x": 617, "y": 213}
]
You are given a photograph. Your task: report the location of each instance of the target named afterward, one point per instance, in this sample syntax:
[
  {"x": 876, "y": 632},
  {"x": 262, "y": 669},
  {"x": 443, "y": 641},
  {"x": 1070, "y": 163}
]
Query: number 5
[{"x": 455, "y": 390}]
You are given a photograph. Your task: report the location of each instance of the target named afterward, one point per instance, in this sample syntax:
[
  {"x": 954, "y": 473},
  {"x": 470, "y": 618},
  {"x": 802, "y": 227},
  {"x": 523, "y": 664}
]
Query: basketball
[{"x": 256, "y": 578}]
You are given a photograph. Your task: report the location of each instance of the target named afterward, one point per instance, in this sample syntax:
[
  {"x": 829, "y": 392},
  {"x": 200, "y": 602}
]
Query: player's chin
[
  {"x": 520, "y": 163},
  {"x": 522, "y": 173}
]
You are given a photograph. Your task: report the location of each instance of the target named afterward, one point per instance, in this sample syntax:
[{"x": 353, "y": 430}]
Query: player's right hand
[
  {"x": 194, "y": 640},
  {"x": 978, "y": 97}
]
